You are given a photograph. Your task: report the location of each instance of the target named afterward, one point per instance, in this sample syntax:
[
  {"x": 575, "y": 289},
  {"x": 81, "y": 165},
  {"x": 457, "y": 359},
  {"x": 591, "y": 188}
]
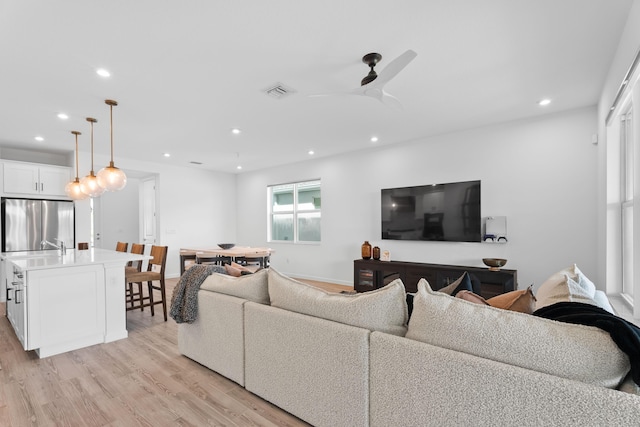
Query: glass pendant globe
[
  {"x": 73, "y": 190},
  {"x": 112, "y": 178},
  {"x": 89, "y": 186}
]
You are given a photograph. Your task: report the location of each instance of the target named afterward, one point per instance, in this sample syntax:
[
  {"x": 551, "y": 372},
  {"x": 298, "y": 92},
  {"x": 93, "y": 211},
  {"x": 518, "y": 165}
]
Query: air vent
[
  {"x": 195, "y": 163},
  {"x": 279, "y": 91}
]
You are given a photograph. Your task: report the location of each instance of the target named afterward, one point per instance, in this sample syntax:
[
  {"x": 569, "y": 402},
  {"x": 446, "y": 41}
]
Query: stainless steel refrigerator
[{"x": 26, "y": 223}]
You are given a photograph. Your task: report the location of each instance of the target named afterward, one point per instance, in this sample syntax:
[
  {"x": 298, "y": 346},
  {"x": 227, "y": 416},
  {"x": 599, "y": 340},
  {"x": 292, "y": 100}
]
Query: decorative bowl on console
[
  {"x": 494, "y": 264},
  {"x": 226, "y": 245}
]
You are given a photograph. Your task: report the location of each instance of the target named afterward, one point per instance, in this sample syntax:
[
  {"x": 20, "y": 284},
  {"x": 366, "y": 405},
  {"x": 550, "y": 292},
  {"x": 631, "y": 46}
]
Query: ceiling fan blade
[
  {"x": 394, "y": 67},
  {"x": 391, "y": 101}
]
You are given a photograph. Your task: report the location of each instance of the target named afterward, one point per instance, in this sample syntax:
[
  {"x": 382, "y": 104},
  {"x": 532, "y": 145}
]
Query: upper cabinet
[{"x": 35, "y": 179}]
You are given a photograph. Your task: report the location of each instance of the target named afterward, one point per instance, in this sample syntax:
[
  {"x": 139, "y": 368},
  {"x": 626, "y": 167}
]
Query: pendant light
[
  {"x": 110, "y": 177},
  {"x": 89, "y": 184},
  {"x": 72, "y": 189}
]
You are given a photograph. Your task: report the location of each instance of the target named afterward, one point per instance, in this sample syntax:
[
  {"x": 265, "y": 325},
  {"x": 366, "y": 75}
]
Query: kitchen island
[{"x": 58, "y": 303}]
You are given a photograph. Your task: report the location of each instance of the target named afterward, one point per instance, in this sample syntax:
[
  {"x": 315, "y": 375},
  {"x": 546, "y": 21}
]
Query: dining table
[{"x": 234, "y": 253}]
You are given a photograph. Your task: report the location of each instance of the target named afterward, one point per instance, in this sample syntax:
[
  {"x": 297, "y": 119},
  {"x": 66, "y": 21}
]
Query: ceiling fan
[{"x": 373, "y": 83}]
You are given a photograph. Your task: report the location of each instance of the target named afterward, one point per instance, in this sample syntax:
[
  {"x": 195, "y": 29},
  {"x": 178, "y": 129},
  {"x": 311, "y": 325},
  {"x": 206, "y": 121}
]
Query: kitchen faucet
[{"x": 62, "y": 247}]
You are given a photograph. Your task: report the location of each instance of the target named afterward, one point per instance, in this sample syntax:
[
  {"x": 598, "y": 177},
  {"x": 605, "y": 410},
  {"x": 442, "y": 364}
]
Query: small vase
[
  {"x": 376, "y": 253},
  {"x": 366, "y": 250}
]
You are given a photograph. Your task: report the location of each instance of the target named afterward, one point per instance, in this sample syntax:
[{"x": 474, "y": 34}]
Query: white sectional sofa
[{"x": 344, "y": 360}]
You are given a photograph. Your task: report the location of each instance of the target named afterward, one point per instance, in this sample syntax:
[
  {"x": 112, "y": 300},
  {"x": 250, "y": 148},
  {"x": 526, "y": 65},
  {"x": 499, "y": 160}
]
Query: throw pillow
[
  {"x": 462, "y": 283},
  {"x": 383, "y": 309},
  {"x": 232, "y": 271},
  {"x": 577, "y": 352},
  {"x": 523, "y": 301},
  {"x": 562, "y": 289},
  {"x": 471, "y": 297},
  {"x": 253, "y": 287},
  {"x": 603, "y": 302}
]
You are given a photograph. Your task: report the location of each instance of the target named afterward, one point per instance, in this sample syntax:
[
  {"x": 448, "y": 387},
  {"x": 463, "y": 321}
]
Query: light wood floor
[{"x": 138, "y": 381}]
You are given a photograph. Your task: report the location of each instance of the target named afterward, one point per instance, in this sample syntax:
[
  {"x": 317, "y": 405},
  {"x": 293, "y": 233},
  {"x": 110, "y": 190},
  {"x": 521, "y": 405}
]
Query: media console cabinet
[{"x": 369, "y": 274}]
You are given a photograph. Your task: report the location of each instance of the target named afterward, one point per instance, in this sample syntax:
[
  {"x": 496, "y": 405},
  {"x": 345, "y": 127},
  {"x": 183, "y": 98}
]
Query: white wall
[
  {"x": 120, "y": 215},
  {"x": 540, "y": 173},
  {"x": 195, "y": 208}
]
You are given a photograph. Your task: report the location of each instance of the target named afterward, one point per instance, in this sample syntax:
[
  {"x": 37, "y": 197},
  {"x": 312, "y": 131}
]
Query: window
[
  {"x": 294, "y": 212},
  {"x": 626, "y": 181}
]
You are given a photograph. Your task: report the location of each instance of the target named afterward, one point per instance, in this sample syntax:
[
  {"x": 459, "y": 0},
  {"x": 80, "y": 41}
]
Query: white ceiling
[{"x": 186, "y": 72}]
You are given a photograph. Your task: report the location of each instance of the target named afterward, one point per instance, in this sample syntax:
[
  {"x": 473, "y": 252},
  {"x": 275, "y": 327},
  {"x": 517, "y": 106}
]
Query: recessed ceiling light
[
  {"x": 544, "y": 102},
  {"x": 62, "y": 116},
  {"x": 311, "y": 152},
  {"x": 39, "y": 138},
  {"x": 167, "y": 155},
  {"x": 238, "y": 167},
  {"x": 235, "y": 131},
  {"x": 103, "y": 73},
  {"x": 374, "y": 139}
]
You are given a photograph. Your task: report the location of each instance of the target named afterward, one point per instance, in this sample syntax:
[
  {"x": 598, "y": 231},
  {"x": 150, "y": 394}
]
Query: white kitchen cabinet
[
  {"x": 35, "y": 179},
  {"x": 58, "y": 303},
  {"x": 16, "y": 305}
]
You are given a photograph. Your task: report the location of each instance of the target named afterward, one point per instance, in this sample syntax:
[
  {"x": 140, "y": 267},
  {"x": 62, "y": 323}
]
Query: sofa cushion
[
  {"x": 383, "y": 309},
  {"x": 578, "y": 352},
  {"x": 567, "y": 285},
  {"x": 463, "y": 283},
  {"x": 253, "y": 287},
  {"x": 523, "y": 301}
]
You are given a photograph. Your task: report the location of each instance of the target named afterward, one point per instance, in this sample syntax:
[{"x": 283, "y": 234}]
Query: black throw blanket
[{"x": 626, "y": 335}]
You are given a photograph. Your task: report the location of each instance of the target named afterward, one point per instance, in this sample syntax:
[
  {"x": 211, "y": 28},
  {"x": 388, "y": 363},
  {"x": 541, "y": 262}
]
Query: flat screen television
[{"x": 438, "y": 212}]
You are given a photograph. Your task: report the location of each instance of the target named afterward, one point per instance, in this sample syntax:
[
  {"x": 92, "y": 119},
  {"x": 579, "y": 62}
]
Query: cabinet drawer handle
[
  {"x": 16, "y": 295},
  {"x": 9, "y": 289}
]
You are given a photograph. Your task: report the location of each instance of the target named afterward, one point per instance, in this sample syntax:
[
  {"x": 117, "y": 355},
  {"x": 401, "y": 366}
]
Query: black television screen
[{"x": 438, "y": 212}]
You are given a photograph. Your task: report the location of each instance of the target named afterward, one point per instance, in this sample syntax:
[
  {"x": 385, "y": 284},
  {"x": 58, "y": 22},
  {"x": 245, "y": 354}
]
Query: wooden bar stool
[
  {"x": 122, "y": 246},
  {"x": 132, "y": 268},
  {"x": 154, "y": 273}
]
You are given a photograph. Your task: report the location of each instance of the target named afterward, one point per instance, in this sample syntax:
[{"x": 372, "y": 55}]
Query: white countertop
[{"x": 38, "y": 260}]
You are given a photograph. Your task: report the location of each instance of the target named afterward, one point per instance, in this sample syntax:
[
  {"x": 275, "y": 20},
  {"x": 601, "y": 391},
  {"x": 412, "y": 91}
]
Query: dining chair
[
  {"x": 154, "y": 273},
  {"x": 213, "y": 259},
  {"x": 132, "y": 268},
  {"x": 259, "y": 258},
  {"x": 122, "y": 246},
  {"x": 187, "y": 259}
]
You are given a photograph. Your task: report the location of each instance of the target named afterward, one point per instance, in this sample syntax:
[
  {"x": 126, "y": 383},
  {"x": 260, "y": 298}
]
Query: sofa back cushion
[
  {"x": 384, "y": 309},
  {"x": 252, "y": 287},
  {"x": 578, "y": 352}
]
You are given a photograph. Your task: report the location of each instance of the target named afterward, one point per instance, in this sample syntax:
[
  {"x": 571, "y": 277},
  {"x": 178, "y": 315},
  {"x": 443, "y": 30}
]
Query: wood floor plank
[{"x": 142, "y": 380}]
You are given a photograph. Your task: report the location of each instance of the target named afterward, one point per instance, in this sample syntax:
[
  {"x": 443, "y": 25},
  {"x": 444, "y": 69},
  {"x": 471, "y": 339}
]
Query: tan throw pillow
[
  {"x": 471, "y": 297},
  {"x": 253, "y": 287},
  {"x": 578, "y": 352},
  {"x": 523, "y": 301},
  {"x": 383, "y": 309},
  {"x": 232, "y": 271}
]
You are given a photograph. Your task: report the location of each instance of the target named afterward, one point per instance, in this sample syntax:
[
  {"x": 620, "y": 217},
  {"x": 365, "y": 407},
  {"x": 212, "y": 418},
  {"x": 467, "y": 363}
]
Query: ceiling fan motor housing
[{"x": 371, "y": 59}]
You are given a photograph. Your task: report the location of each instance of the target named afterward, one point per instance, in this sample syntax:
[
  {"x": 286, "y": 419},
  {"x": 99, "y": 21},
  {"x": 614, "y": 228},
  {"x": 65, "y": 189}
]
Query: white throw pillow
[
  {"x": 578, "y": 352},
  {"x": 603, "y": 302},
  {"x": 252, "y": 287},
  {"x": 383, "y": 309},
  {"x": 568, "y": 285}
]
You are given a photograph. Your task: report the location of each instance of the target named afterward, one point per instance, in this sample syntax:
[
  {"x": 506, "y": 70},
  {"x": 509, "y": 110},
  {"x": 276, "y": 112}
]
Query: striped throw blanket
[{"x": 184, "y": 301}]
